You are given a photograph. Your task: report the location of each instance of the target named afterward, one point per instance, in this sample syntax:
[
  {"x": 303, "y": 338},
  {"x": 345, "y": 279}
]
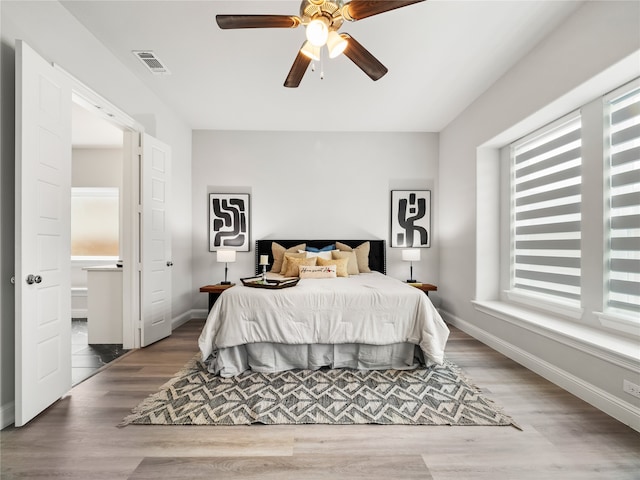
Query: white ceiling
[{"x": 441, "y": 55}]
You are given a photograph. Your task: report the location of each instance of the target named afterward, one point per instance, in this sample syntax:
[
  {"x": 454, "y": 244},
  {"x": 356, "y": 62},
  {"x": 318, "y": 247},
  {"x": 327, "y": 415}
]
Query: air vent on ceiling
[{"x": 152, "y": 62}]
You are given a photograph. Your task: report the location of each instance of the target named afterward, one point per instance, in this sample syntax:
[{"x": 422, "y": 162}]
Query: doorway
[{"x": 96, "y": 225}]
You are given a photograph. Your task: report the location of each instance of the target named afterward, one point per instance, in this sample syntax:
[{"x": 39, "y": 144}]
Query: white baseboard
[
  {"x": 194, "y": 313},
  {"x": 610, "y": 404},
  {"x": 181, "y": 319},
  {"x": 79, "y": 313},
  {"x": 7, "y": 414},
  {"x": 201, "y": 313}
]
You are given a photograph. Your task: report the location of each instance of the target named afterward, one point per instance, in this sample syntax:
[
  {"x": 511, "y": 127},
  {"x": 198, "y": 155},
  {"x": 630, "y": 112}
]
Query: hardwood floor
[{"x": 77, "y": 438}]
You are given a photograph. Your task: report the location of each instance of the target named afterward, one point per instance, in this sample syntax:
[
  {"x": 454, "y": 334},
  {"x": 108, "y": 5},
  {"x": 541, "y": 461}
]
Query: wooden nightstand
[
  {"x": 425, "y": 287},
  {"x": 214, "y": 292}
]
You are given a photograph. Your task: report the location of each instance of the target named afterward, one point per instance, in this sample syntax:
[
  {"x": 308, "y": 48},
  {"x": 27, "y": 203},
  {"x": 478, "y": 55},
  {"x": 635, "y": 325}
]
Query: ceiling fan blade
[
  {"x": 297, "y": 71},
  {"x": 363, "y": 58},
  {"x": 359, "y": 9},
  {"x": 257, "y": 21}
]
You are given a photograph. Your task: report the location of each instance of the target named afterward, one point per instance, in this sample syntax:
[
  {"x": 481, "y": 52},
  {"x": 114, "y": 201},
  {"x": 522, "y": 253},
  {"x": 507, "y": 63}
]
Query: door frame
[{"x": 130, "y": 221}]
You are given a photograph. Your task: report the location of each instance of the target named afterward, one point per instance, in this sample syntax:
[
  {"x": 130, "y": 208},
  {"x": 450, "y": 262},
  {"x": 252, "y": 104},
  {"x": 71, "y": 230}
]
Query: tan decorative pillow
[
  {"x": 352, "y": 265},
  {"x": 340, "y": 263},
  {"x": 285, "y": 260},
  {"x": 327, "y": 271},
  {"x": 278, "y": 251},
  {"x": 295, "y": 263},
  {"x": 362, "y": 254}
]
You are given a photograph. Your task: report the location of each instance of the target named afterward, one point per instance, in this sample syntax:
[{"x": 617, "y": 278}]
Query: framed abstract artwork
[
  {"x": 411, "y": 218},
  {"x": 229, "y": 221}
]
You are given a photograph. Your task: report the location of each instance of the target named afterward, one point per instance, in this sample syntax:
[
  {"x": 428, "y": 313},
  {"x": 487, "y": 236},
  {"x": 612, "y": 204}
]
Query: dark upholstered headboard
[{"x": 377, "y": 251}]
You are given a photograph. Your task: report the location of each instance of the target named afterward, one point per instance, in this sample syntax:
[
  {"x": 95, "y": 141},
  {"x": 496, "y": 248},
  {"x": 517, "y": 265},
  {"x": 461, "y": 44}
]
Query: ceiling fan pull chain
[{"x": 321, "y": 65}]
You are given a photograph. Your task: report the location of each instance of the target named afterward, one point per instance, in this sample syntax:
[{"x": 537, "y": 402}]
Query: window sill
[
  {"x": 619, "y": 323},
  {"x": 607, "y": 346},
  {"x": 543, "y": 303}
]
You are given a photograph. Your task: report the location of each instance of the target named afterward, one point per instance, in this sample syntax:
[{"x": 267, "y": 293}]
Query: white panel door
[
  {"x": 156, "y": 241},
  {"x": 43, "y": 211}
]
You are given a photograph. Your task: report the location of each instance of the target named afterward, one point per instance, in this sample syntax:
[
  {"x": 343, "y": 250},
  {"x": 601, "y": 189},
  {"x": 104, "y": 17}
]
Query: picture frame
[
  {"x": 411, "y": 218},
  {"x": 229, "y": 221}
]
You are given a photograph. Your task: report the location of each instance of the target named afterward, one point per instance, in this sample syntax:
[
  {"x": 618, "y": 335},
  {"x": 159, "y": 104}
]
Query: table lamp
[
  {"x": 226, "y": 256},
  {"x": 412, "y": 255}
]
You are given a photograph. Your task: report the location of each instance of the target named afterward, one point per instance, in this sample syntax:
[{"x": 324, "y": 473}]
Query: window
[
  {"x": 95, "y": 222},
  {"x": 622, "y": 290},
  {"x": 546, "y": 214},
  {"x": 572, "y": 215}
]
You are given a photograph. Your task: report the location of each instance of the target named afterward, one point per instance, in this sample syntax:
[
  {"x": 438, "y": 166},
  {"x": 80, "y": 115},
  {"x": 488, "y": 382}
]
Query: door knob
[
  {"x": 31, "y": 279},
  {"x": 169, "y": 264}
]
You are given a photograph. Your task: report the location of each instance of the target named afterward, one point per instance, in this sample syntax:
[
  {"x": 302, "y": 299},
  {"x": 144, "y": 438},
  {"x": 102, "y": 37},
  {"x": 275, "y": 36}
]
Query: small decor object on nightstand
[
  {"x": 264, "y": 261},
  {"x": 412, "y": 255},
  {"x": 226, "y": 256}
]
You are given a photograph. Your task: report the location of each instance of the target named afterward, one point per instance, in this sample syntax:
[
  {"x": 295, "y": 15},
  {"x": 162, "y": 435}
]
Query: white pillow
[
  {"x": 327, "y": 271},
  {"x": 325, "y": 255}
]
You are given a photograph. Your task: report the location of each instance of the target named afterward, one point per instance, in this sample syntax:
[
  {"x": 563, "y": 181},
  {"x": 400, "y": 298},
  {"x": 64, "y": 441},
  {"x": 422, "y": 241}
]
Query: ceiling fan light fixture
[
  {"x": 336, "y": 44},
  {"x": 322, "y": 20},
  {"x": 318, "y": 31},
  {"x": 311, "y": 51}
]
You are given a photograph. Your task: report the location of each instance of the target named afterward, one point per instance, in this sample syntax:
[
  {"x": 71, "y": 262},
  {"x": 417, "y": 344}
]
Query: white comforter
[{"x": 368, "y": 308}]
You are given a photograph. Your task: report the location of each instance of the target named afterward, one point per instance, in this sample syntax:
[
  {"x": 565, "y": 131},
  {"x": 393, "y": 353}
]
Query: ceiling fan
[{"x": 322, "y": 20}]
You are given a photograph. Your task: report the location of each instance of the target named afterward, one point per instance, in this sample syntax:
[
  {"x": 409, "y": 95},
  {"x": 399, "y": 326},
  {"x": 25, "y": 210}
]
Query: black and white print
[
  {"x": 229, "y": 221},
  {"x": 411, "y": 218}
]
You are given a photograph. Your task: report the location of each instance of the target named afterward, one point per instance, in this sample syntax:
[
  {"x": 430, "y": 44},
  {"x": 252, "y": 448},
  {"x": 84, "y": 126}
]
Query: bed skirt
[{"x": 270, "y": 357}]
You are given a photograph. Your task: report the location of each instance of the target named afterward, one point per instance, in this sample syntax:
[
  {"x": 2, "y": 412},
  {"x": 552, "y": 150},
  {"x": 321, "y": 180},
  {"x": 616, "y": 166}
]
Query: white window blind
[
  {"x": 546, "y": 212},
  {"x": 623, "y": 265}
]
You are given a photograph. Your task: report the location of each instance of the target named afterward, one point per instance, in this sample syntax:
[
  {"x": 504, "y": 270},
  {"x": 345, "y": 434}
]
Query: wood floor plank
[
  {"x": 70, "y": 468},
  {"x": 314, "y": 467},
  {"x": 78, "y": 438}
]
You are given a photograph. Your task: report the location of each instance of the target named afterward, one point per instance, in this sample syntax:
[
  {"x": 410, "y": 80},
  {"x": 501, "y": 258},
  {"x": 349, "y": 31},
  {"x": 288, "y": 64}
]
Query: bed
[{"x": 359, "y": 318}]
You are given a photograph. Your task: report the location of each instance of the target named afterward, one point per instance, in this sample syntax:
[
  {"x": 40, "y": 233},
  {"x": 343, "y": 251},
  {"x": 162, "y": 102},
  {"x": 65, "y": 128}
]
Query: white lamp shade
[
  {"x": 336, "y": 44},
  {"x": 318, "y": 31},
  {"x": 226, "y": 256},
  {"x": 412, "y": 255},
  {"x": 310, "y": 51},
  {"x": 264, "y": 259}
]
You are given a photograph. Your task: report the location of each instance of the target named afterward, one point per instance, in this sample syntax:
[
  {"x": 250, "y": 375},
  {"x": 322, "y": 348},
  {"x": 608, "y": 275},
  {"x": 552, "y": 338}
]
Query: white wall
[
  {"x": 96, "y": 167},
  {"x": 543, "y": 85},
  {"x": 311, "y": 186},
  {"x": 58, "y": 37}
]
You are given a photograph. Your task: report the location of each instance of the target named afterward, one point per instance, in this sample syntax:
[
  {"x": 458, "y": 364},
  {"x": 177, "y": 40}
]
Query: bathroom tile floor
[{"x": 88, "y": 359}]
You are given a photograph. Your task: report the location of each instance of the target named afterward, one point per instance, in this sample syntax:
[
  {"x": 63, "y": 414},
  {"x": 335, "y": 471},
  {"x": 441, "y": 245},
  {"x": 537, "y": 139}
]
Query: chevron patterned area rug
[{"x": 437, "y": 395}]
